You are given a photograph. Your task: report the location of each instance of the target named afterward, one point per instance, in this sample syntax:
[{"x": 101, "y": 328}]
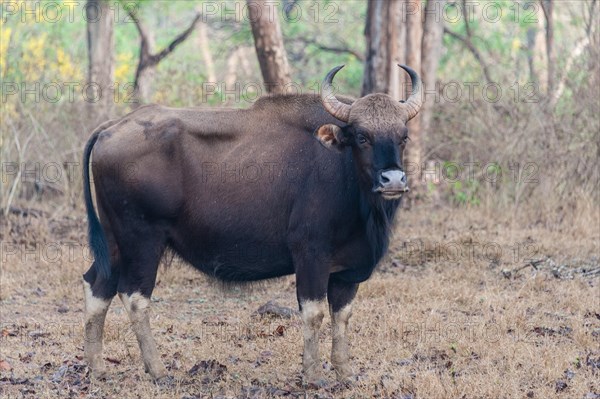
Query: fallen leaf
[
  {"x": 279, "y": 331},
  {"x": 263, "y": 334},
  {"x": 5, "y": 366},
  {"x": 9, "y": 333}
]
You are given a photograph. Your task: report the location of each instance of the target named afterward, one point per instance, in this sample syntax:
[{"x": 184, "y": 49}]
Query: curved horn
[
  {"x": 336, "y": 108},
  {"x": 415, "y": 100}
]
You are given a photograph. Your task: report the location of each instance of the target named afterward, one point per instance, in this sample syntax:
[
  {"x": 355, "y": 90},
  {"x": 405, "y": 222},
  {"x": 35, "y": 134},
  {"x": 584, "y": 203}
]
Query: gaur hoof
[
  {"x": 157, "y": 373},
  {"x": 346, "y": 381},
  {"x": 97, "y": 367},
  {"x": 98, "y": 373},
  {"x": 345, "y": 376},
  {"x": 314, "y": 382}
]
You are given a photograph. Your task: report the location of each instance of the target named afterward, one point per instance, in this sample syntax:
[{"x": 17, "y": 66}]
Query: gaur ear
[{"x": 331, "y": 136}]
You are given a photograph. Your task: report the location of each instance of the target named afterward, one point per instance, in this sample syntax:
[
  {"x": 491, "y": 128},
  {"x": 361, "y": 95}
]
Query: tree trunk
[
  {"x": 239, "y": 67},
  {"x": 237, "y": 62},
  {"x": 531, "y": 37},
  {"x": 143, "y": 84},
  {"x": 268, "y": 42},
  {"x": 548, "y": 7},
  {"x": 536, "y": 50},
  {"x": 144, "y": 75},
  {"x": 414, "y": 151},
  {"x": 232, "y": 68},
  {"x": 383, "y": 30},
  {"x": 397, "y": 33},
  {"x": 539, "y": 56},
  {"x": 101, "y": 60},
  {"x": 532, "y": 42},
  {"x": 431, "y": 51},
  {"x": 206, "y": 54}
]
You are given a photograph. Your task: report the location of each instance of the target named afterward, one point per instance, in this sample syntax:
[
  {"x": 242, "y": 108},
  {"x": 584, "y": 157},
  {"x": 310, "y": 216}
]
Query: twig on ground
[{"x": 532, "y": 263}]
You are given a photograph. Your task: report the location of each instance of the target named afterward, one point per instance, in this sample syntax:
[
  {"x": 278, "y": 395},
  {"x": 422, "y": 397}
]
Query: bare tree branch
[
  {"x": 578, "y": 49},
  {"x": 590, "y": 22},
  {"x": 141, "y": 30},
  {"x": 154, "y": 59},
  {"x": 471, "y": 47},
  {"x": 148, "y": 60},
  {"x": 177, "y": 41},
  {"x": 342, "y": 49},
  {"x": 466, "y": 18}
]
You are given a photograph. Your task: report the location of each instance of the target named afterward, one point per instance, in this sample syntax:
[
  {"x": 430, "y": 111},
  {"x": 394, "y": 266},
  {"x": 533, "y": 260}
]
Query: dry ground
[{"x": 467, "y": 306}]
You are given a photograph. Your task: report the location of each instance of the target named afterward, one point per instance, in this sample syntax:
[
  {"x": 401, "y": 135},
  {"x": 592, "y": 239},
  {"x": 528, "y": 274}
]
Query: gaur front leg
[
  {"x": 311, "y": 287},
  {"x": 313, "y": 312},
  {"x": 340, "y": 295}
]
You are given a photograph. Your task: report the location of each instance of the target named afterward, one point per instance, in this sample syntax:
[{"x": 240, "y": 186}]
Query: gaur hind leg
[
  {"x": 98, "y": 292},
  {"x": 141, "y": 257},
  {"x": 340, "y": 295}
]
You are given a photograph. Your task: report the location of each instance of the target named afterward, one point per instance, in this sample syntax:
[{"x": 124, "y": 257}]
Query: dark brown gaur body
[{"x": 295, "y": 184}]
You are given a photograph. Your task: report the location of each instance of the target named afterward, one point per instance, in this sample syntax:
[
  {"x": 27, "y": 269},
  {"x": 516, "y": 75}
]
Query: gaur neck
[{"x": 378, "y": 218}]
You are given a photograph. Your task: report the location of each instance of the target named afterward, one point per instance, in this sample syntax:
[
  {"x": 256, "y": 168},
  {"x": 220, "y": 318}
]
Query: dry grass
[{"x": 441, "y": 319}]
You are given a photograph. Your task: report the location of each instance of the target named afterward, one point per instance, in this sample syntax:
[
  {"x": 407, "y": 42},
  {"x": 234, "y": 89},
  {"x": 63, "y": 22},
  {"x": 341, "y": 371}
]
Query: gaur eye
[
  {"x": 361, "y": 139},
  {"x": 405, "y": 139}
]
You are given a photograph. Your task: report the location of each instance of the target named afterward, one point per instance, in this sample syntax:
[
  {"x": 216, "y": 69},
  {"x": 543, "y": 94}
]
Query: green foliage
[
  {"x": 463, "y": 188},
  {"x": 465, "y": 193}
]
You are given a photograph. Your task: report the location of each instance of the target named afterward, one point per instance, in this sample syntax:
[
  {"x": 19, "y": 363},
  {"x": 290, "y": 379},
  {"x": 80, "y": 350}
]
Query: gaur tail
[{"x": 96, "y": 236}]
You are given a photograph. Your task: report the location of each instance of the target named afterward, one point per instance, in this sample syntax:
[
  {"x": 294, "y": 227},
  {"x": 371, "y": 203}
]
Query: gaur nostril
[{"x": 393, "y": 179}]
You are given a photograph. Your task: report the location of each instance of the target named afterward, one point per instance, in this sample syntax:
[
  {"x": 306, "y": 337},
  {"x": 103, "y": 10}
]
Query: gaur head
[{"x": 375, "y": 130}]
